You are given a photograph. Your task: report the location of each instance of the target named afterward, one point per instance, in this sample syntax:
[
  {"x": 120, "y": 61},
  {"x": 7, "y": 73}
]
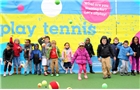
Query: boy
[
  {"x": 45, "y": 44},
  {"x": 124, "y": 53},
  {"x": 104, "y": 52},
  {"x": 27, "y": 52},
  {"x": 53, "y": 54},
  {"x": 8, "y": 55}
]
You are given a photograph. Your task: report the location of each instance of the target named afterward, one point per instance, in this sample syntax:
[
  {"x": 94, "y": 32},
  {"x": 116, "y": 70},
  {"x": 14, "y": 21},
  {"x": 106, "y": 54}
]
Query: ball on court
[
  {"x": 39, "y": 85},
  {"x": 57, "y": 2},
  {"x": 22, "y": 65},
  {"x": 69, "y": 88},
  {"x": 104, "y": 85},
  {"x": 54, "y": 85},
  {"x": 70, "y": 21},
  {"x": 44, "y": 83}
]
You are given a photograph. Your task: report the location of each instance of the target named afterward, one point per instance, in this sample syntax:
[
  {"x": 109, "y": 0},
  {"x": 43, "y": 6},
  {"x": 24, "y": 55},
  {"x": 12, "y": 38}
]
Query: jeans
[
  {"x": 16, "y": 62},
  {"x": 37, "y": 67},
  {"x": 113, "y": 64}
]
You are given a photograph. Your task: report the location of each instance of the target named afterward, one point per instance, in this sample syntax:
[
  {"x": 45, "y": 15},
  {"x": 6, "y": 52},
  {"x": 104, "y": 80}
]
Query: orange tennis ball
[{"x": 54, "y": 85}]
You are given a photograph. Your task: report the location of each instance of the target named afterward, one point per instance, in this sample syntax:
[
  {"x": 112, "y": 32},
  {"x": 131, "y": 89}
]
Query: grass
[{"x": 94, "y": 81}]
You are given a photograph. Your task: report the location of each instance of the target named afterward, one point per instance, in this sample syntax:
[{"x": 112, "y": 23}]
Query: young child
[
  {"x": 81, "y": 56},
  {"x": 8, "y": 55},
  {"x": 45, "y": 44},
  {"x": 53, "y": 54},
  {"x": 67, "y": 57},
  {"x": 36, "y": 56},
  {"x": 135, "y": 59},
  {"x": 115, "y": 63},
  {"x": 124, "y": 53},
  {"x": 27, "y": 52},
  {"x": 104, "y": 52},
  {"x": 90, "y": 50},
  {"x": 17, "y": 50}
]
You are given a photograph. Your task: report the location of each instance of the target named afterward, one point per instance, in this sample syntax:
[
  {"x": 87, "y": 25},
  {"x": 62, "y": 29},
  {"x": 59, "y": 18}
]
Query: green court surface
[{"x": 94, "y": 81}]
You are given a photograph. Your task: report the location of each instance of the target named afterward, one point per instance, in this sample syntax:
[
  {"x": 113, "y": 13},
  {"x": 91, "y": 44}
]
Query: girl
[
  {"x": 27, "y": 52},
  {"x": 81, "y": 56},
  {"x": 135, "y": 59},
  {"x": 67, "y": 57},
  {"x": 45, "y": 44},
  {"x": 90, "y": 50},
  {"x": 8, "y": 54},
  {"x": 17, "y": 50},
  {"x": 36, "y": 56},
  {"x": 53, "y": 54}
]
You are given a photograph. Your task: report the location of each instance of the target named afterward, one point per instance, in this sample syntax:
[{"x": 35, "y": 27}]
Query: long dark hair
[{"x": 134, "y": 38}]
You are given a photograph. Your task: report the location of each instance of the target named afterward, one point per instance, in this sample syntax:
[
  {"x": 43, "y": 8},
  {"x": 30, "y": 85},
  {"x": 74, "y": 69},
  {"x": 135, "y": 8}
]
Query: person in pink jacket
[{"x": 81, "y": 57}]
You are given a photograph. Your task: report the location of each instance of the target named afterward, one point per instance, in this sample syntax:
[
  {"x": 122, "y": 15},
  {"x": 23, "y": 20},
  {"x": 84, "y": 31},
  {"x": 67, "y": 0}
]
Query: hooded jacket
[
  {"x": 90, "y": 50},
  {"x": 104, "y": 51},
  {"x": 8, "y": 55}
]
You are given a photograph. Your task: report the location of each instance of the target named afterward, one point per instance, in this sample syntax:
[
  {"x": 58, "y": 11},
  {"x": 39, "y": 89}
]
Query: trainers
[
  {"x": 85, "y": 76},
  {"x": 30, "y": 72},
  {"x": 25, "y": 73},
  {"x": 104, "y": 77},
  {"x": 127, "y": 74},
  {"x": 121, "y": 73},
  {"x": 52, "y": 75},
  {"x": 35, "y": 72},
  {"x": 39, "y": 73},
  {"x": 66, "y": 72},
  {"x": 70, "y": 72},
  {"x": 57, "y": 75},
  {"x": 45, "y": 74},
  {"x": 9, "y": 74},
  {"x": 79, "y": 77},
  {"x": 138, "y": 72},
  {"x": 109, "y": 76},
  {"x": 4, "y": 74}
]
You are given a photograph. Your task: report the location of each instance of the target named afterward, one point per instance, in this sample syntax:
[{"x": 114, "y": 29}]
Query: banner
[{"x": 68, "y": 21}]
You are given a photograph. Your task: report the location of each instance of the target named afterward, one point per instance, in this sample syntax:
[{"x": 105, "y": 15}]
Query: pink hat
[{"x": 81, "y": 44}]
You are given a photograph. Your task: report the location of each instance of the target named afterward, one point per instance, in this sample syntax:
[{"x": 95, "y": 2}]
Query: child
[
  {"x": 67, "y": 57},
  {"x": 36, "y": 56},
  {"x": 90, "y": 50},
  {"x": 135, "y": 59},
  {"x": 115, "y": 63},
  {"x": 27, "y": 52},
  {"x": 8, "y": 55},
  {"x": 53, "y": 54},
  {"x": 45, "y": 44},
  {"x": 17, "y": 50},
  {"x": 124, "y": 53},
  {"x": 81, "y": 56},
  {"x": 104, "y": 52}
]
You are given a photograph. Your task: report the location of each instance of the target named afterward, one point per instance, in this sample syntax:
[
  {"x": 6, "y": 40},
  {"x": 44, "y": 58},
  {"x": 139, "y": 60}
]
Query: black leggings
[{"x": 5, "y": 67}]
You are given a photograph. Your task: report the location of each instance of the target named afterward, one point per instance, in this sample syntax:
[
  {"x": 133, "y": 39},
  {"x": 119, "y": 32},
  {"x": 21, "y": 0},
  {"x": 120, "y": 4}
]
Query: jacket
[
  {"x": 67, "y": 55},
  {"x": 104, "y": 51},
  {"x": 115, "y": 50},
  {"x": 136, "y": 48},
  {"x": 36, "y": 56},
  {"x": 44, "y": 50},
  {"x": 28, "y": 51},
  {"x": 49, "y": 51},
  {"x": 15, "y": 48},
  {"x": 81, "y": 57},
  {"x": 123, "y": 51},
  {"x": 8, "y": 55},
  {"x": 90, "y": 50}
]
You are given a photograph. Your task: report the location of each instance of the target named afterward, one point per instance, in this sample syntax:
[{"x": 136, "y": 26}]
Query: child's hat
[{"x": 81, "y": 44}]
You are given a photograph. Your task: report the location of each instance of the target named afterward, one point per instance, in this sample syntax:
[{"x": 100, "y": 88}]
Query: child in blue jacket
[
  {"x": 124, "y": 53},
  {"x": 36, "y": 56}
]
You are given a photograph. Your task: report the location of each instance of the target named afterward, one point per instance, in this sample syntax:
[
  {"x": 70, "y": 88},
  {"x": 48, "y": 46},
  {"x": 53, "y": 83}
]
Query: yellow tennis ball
[
  {"x": 69, "y": 88},
  {"x": 44, "y": 83},
  {"x": 39, "y": 85}
]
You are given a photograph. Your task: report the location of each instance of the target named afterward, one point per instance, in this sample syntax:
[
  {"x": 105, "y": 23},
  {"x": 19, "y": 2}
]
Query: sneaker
[
  {"x": 30, "y": 72},
  {"x": 39, "y": 73},
  {"x": 109, "y": 76},
  {"x": 4, "y": 74},
  {"x": 92, "y": 72},
  {"x": 70, "y": 71},
  {"x": 121, "y": 73},
  {"x": 25, "y": 73},
  {"x": 57, "y": 75},
  {"x": 66, "y": 72},
  {"x": 48, "y": 72},
  {"x": 9, "y": 74},
  {"x": 35, "y": 72},
  {"x": 127, "y": 74},
  {"x": 52, "y": 75},
  {"x": 79, "y": 77},
  {"x": 85, "y": 76},
  {"x": 138, "y": 72},
  {"x": 115, "y": 72},
  {"x": 104, "y": 77}
]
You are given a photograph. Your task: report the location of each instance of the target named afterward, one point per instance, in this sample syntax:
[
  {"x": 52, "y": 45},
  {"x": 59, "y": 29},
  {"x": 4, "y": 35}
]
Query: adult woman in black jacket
[{"x": 90, "y": 50}]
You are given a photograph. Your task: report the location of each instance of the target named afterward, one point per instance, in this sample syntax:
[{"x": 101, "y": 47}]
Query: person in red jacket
[{"x": 17, "y": 50}]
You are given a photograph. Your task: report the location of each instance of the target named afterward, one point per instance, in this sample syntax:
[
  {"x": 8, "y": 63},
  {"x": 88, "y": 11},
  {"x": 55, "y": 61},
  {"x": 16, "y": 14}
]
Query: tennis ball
[
  {"x": 39, "y": 85},
  {"x": 43, "y": 45},
  {"x": 44, "y": 83},
  {"x": 22, "y": 65},
  {"x": 104, "y": 85},
  {"x": 57, "y": 2},
  {"x": 54, "y": 85},
  {"x": 69, "y": 88},
  {"x": 70, "y": 21}
]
